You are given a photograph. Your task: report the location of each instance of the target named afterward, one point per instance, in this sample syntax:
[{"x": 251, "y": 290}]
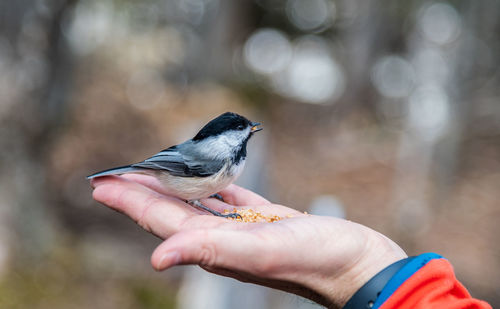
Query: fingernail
[{"x": 168, "y": 260}]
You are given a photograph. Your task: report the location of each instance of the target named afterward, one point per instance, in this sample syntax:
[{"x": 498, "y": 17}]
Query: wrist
[
  {"x": 368, "y": 294},
  {"x": 379, "y": 252}
]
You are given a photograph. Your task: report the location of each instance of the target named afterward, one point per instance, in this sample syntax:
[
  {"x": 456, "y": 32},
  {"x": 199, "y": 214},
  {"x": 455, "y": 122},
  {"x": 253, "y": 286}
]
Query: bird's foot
[
  {"x": 198, "y": 204},
  {"x": 217, "y": 196},
  {"x": 232, "y": 215}
]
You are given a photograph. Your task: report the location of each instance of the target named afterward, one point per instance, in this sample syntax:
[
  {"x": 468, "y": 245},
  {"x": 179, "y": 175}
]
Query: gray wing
[{"x": 178, "y": 162}]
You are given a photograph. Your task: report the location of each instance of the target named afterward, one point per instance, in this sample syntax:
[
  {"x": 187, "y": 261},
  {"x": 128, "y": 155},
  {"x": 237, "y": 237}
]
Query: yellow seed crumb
[{"x": 250, "y": 215}]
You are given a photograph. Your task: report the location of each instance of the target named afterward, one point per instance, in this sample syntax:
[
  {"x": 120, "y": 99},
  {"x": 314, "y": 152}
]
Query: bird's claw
[
  {"x": 217, "y": 196},
  {"x": 232, "y": 215}
]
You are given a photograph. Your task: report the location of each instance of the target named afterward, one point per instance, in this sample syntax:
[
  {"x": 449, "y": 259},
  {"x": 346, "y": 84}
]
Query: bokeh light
[
  {"x": 311, "y": 14},
  {"x": 313, "y": 75},
  {"x": 327, "y": 205},
  {"x": 439, "y": 23},
  {"x": 90, "y": 25},
  {"x": 267, "y": 51},
  {"x": 393, "y": 76},
  {"x": 429, "y": 111}
]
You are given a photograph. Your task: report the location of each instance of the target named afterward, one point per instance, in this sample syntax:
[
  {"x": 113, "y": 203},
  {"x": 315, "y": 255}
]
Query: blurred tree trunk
[{"x": 41, "y": 56}]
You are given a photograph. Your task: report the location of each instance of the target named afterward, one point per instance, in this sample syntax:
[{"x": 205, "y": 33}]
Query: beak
[{"x": 255, "y": 127}]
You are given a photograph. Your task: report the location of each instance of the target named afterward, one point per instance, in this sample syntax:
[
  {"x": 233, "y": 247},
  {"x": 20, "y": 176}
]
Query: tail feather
[{"x": 116, "y": 171}]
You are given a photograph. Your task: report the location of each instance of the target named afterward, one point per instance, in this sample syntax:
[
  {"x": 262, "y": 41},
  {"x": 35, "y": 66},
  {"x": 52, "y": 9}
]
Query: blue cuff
[{"x": 402, "y": 275}]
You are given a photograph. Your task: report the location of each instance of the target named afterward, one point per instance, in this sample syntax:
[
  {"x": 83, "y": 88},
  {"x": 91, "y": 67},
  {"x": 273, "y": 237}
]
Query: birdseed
[{"x": 250, "y": 215}]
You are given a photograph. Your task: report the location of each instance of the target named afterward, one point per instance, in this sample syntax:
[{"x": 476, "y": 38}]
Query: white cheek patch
[{"x": 222, "y": 146}]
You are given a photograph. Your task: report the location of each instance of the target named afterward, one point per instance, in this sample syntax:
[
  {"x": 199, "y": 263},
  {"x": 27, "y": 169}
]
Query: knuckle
[
  {"x": 208, "y": 252},
  {"x": 119, "y": 198},
  {"x": 143, "y": 217},
  {"x": 267, "y": 265},
  {"x": 207, "y": 256}
]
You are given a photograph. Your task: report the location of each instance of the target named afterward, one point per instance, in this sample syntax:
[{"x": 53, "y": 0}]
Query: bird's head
[
  {"x": 228, "y": 124},
  {"x": 228, "y": 133}
]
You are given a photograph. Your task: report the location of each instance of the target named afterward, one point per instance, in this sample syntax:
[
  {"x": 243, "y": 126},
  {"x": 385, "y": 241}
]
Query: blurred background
[{"x": 386, "y": 113}]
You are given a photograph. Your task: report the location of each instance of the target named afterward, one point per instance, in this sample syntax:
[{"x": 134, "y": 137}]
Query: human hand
[{"x": 324, "y": 259}]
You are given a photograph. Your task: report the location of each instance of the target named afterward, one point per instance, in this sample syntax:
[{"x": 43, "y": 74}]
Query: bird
[{"x": 202, "y": 166}]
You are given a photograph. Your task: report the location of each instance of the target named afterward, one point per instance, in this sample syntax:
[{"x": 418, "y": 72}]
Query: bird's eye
[{"x": 240, "y": 127}]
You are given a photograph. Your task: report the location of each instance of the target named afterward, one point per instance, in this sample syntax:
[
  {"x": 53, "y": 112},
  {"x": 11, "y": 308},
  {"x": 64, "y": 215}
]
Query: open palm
[{"x": 321, "y": 258}]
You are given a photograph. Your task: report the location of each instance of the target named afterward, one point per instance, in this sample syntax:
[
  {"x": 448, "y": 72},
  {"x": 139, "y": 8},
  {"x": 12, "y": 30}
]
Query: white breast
[{"x": 193, "y": 188}]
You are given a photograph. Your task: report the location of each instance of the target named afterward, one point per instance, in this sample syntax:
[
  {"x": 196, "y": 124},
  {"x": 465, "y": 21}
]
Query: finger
[
  {"x": 238, "y": 196},
  {"x": 148, "y": 181},
  {"x": 210, "y": 248},
  {"x": 154, "y": 184},
  {"x": 234, "y": 195},
  {"x": 143, "y": 205}
]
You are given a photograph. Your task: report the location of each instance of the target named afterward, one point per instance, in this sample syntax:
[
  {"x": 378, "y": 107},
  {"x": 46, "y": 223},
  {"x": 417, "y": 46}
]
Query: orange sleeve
[{"x": 433, "y": 286}]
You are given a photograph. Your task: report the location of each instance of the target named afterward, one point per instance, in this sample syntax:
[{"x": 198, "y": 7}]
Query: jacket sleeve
[{"x": 428, "y": 281}]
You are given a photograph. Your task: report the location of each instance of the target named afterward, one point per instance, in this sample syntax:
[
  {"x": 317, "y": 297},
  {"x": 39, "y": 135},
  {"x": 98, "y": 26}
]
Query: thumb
[{"x": 209, "y": 248}]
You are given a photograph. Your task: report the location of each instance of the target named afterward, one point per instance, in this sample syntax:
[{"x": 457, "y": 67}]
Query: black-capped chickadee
[{"x": 202, "y": 166}]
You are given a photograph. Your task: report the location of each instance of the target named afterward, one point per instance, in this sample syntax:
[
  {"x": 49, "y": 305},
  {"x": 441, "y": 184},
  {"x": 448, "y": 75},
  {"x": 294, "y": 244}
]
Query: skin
[{"x": 324, "y": 259}]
